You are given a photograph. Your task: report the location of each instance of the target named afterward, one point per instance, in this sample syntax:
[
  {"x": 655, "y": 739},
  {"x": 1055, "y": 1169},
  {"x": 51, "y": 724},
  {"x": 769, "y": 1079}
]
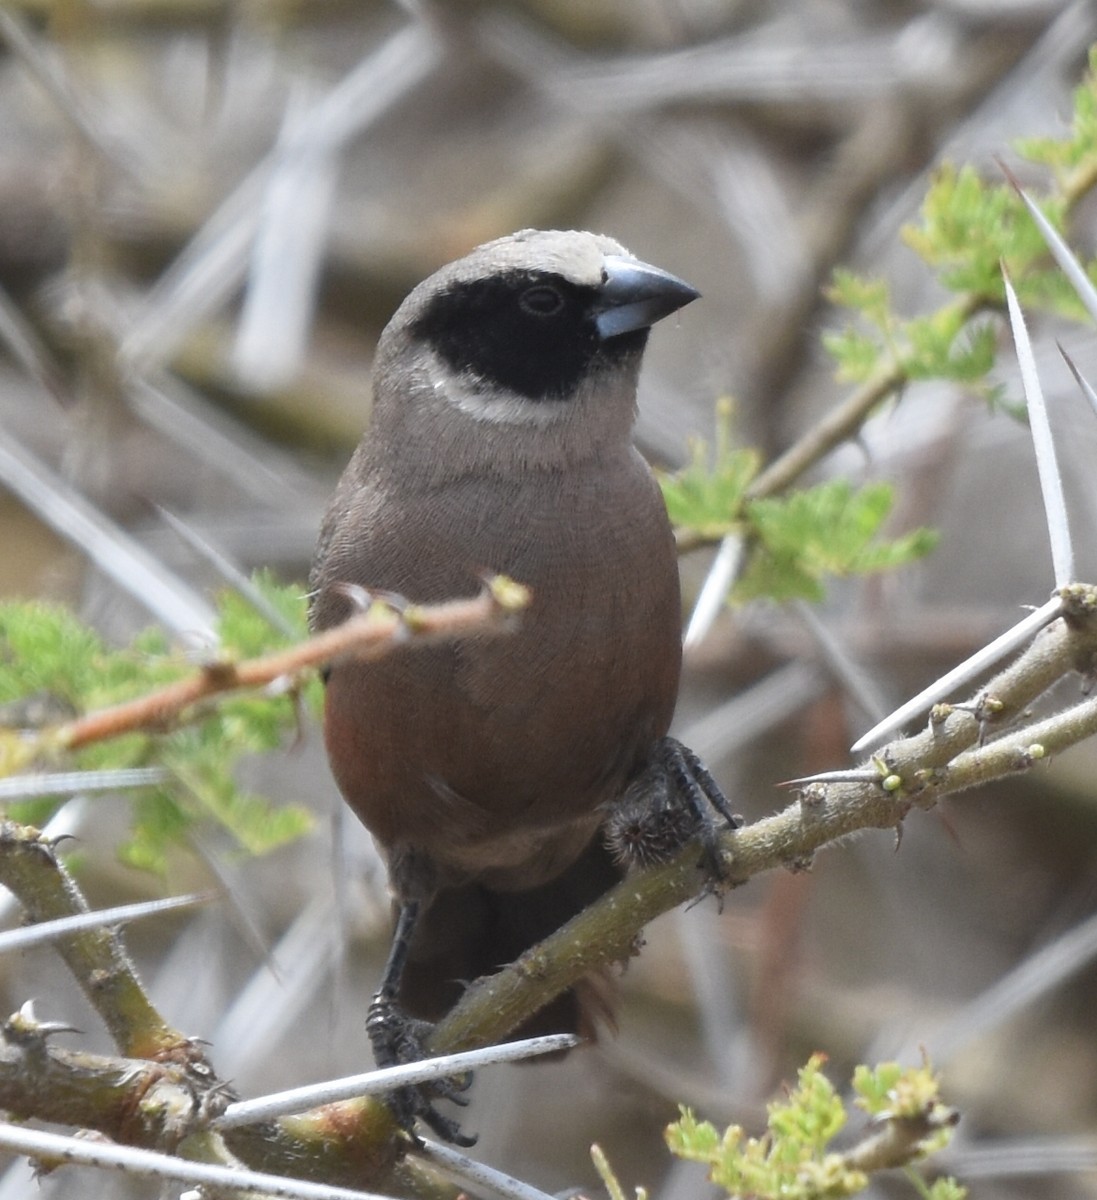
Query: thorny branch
[
  {"x": 96, "y": 957},
  {"x": 951, "y": 754},
  {"x": 356, "y": 1142}
]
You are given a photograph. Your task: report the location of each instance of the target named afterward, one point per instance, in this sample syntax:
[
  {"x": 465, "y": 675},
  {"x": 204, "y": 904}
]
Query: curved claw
[
  {"x": 397, "y": 1039},
  {"x": 446, "y": 1128}
]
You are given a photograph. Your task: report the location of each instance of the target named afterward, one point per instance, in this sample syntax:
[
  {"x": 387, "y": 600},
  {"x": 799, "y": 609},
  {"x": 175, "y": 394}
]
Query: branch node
[
  {"x": 508, "y": 595},
  {"x": 938, "y": 715},
  {"x": 20, "y": 838},
  {"x": 1030, "y": 756},
  {"x": 812, "y": 798},
  {"x": 219, "y": 673},
  {"x": 532, "y": 964},
  {"x": 413, "y": 620},
  {"x": 23, "y": 1030},
  {"x": 1079, "y": 603}
]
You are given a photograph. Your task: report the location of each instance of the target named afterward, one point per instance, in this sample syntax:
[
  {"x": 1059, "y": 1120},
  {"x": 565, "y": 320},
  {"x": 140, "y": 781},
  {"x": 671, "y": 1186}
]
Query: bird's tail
[{"x": 472, "y": 931}]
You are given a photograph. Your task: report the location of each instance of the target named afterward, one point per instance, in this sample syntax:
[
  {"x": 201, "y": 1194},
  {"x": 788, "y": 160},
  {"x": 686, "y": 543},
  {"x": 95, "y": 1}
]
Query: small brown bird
[{"x": 504, "y": 398}]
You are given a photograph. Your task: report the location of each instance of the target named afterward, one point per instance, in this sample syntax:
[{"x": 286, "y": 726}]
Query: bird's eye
[{"x": 541, "y": 301}]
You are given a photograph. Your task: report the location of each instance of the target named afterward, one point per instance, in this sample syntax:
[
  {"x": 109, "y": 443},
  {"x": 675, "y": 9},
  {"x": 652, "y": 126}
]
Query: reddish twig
[{"x": 380, "y": 630}]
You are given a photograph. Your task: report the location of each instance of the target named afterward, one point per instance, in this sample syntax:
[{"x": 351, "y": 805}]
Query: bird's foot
[
  {"x": 397, "y": 1040},
  {"x": 673, "y": 800}
]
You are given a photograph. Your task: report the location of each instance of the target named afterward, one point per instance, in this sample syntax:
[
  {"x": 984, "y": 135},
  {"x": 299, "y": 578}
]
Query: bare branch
[
  {"x": 371, "y": 634},
  {"x": 96, "y": 957}
]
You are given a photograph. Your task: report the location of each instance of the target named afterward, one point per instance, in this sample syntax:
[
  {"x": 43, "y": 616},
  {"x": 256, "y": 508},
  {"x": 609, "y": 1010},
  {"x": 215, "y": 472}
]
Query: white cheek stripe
[{"x": 498, "y": 408}]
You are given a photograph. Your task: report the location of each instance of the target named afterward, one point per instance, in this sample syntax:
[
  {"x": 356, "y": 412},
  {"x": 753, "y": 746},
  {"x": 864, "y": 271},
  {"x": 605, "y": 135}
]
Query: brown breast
[{"x": 490, "y": 756}]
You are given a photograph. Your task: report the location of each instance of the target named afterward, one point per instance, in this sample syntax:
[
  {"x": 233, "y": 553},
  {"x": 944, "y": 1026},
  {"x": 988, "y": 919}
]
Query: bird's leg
[
  {"x": 397, "y": 1039},
  {"x": 703, "y": 797},
  {"x": 394, "y": 1036},
  {"x": 671, "y": 801}
]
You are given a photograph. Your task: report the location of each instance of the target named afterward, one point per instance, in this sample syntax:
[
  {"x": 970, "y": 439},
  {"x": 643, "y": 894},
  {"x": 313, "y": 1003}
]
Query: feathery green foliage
[
  {"x": 49, "y": 655},
  {"x": 709, "y": 499},
  {"x": 967, "y": 229},
  {"x": 1071, "y": 159},
  {"x": 830, "y": 530},
  {"x": 797, "y": 542},
  {"x": 793, "y": 1159}
]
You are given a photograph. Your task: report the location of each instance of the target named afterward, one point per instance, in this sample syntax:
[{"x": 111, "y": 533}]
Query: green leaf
[
  {"x": 946, "y": 1189},
  {"x": 857, "y": 354},
  {"x": 869, "y": 297},
  {"x": 256, "y": 824},
  {"x": 247, "y": 632},
  {"x": 53, "y": 665},
  {"x": 707, "y": 498},
  {"x": 158, "y": 824},
  {"x": 828, "y": 530},
  {"x": 790, "y": 1160},
  {"x": 691, "y": 1139},
  {"x": 1076, "y": 154},
  {"x": 793, "y": 1159},
  {"x": 861, "y": 353},
  {"x": 968, "y": 227}
]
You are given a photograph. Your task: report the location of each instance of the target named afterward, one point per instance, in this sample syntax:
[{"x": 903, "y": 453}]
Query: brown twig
[
  {"x": 900, "y": 1141},
  {"x": 381, "y": 630}
]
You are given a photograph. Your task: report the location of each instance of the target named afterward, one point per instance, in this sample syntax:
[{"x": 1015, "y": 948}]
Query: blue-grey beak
[{"x": 636, "y": 295}]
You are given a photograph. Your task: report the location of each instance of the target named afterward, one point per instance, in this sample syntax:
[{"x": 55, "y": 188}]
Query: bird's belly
[
  {"x": 515, "y": 859},
  {"x": 493, "y": 756},
  {"x": 499, "y": 751}
]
